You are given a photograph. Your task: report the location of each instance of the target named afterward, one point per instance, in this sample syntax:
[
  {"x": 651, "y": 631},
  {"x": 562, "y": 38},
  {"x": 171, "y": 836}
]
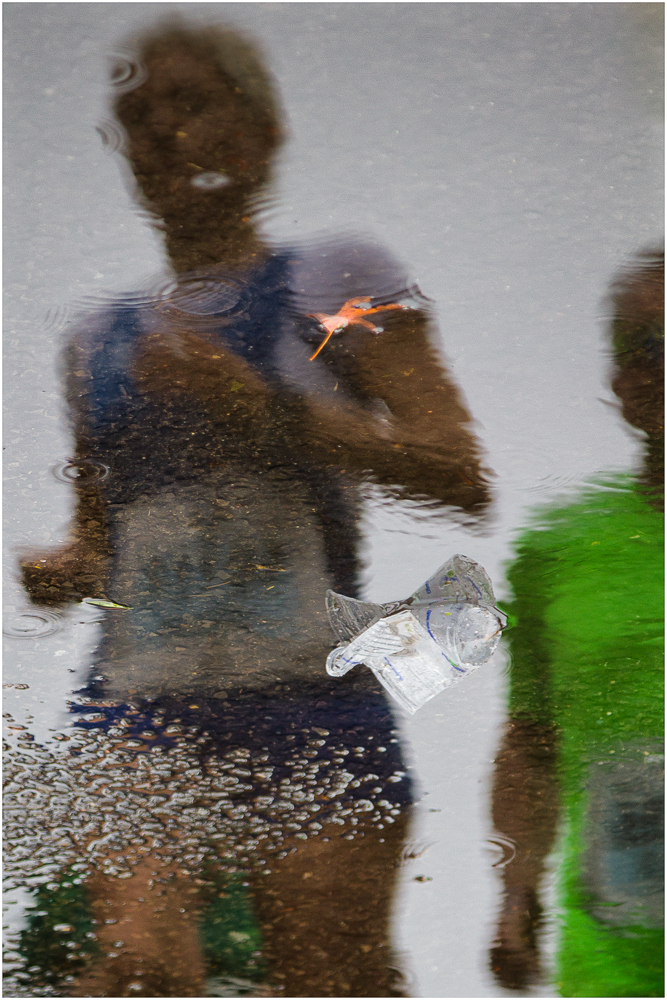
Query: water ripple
[
  {"x": 72, "y": 472},
  {"x": 112, "y": 135},
  {"x": 202, "y": 295},
  {"x": 33, "y": 624},
  {"x": 503, "y": 850},
  {"x": 125, "y": 72}
]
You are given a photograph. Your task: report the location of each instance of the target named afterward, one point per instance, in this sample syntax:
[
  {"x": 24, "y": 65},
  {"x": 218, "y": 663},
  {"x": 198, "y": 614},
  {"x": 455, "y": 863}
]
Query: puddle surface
[{"x": 247, "y": 368}]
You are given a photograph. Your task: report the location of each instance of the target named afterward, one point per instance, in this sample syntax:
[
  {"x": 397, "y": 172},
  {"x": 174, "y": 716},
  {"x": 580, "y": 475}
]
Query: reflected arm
[{"x": 423, "y": 447}]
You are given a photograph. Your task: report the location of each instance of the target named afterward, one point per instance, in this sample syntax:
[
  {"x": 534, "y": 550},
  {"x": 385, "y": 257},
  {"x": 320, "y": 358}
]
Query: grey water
[{"x": 493, "y": 166}]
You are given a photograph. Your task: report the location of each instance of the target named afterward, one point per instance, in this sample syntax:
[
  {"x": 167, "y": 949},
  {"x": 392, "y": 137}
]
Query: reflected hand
[{"x": 79, "y": 569}]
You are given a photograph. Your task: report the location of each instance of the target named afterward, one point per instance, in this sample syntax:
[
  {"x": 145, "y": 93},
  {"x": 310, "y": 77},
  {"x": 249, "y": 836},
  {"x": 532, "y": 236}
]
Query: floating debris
[
  {"x": 102, "y": 602},
  {"x": 420, "y": 646}
]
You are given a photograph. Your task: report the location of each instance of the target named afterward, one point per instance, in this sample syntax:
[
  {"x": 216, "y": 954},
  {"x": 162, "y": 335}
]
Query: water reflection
[
  {"x": 583, "y": 744},
  {"x": 227, "y": 820}
]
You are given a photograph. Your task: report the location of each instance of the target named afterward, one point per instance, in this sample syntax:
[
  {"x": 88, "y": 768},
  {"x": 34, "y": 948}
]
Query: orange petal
[{"x": 328, "y": 336}]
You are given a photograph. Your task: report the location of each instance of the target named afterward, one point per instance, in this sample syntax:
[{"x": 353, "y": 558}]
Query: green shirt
[{"x": 587, "y": 656}]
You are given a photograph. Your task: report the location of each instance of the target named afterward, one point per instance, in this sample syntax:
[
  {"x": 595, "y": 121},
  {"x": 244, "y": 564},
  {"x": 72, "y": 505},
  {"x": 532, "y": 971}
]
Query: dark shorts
[{"x": 341, "y": 746}]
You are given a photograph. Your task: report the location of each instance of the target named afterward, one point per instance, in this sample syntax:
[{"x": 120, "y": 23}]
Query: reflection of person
[
  {"x": 227, "y": 336},
  {"x": 226, "y": 510},
  {"x": 583, "y": 740}
]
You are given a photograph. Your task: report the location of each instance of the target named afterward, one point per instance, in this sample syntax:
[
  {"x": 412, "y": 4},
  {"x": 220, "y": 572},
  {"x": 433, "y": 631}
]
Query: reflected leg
[
  {"x": 525, "y": 809},
  {"x": 159, "y": 954},
  {"x": 325, "y": 913}
]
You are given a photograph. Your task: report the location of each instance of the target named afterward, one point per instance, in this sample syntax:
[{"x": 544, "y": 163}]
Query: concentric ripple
[
  {"x": 85, "y": 469},
  {"x": 33, "y": 624},
  {"x": 203, "y": 295},
  {"x": 125, "y": 72},
  {"x": 112, "y": 135},
  {"x": 503, "y": 850}
]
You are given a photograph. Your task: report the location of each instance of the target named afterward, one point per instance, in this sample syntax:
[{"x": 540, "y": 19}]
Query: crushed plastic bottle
[{"x": 418, "y": 647}]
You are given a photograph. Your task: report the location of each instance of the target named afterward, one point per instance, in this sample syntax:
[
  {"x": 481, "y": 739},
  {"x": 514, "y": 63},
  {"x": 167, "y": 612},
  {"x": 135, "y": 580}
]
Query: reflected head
[
  {"x": 638, "y": 338},
  {"x": 202, "y": 121}
]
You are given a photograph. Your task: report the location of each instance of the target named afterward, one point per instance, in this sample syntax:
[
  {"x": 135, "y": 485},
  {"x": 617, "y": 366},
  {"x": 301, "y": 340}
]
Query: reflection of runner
[
  {"x": 586, "y": 711},
  {"x": 586, "y": 716},
  {"x": 209, "y": 742}
]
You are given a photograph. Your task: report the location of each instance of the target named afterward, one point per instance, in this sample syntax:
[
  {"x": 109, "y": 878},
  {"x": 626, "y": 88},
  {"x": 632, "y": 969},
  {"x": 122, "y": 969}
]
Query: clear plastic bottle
[{"x": 420, "y": 646}]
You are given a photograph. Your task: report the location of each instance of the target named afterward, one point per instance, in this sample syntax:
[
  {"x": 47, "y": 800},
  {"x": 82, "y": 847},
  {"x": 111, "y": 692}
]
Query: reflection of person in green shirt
[{"x": 582, "y": 751}]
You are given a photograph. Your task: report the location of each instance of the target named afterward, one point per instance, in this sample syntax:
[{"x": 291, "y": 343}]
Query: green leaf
[{"x": 102, "y": 602}]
